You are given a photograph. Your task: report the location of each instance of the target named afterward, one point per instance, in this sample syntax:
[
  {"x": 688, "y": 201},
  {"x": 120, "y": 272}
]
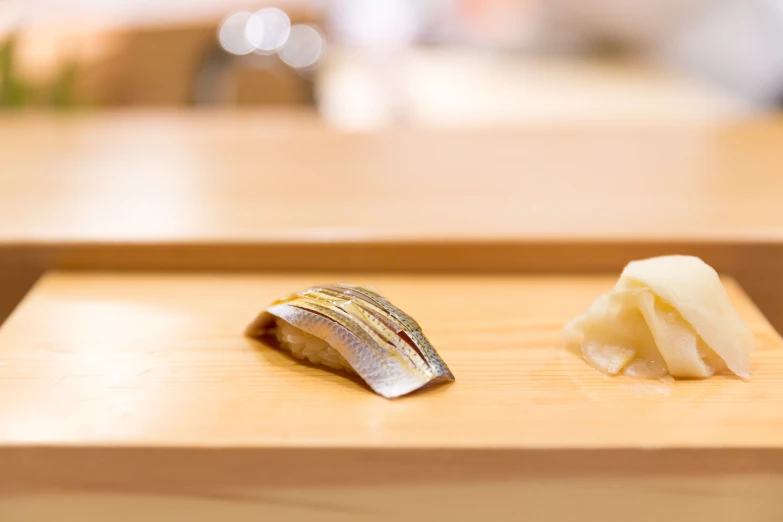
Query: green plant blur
[{"x": 16, "y": 94}]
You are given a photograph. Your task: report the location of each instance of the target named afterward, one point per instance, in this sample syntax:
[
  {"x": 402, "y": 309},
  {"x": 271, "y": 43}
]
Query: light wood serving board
[{"x": 136, "y": 397}]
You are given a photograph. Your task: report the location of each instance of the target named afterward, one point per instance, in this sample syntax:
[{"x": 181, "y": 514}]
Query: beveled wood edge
[
  {"x": 196, "y": 470},
  {"x": 755, "y": 264},
  {"x": 555, "y": 256}
]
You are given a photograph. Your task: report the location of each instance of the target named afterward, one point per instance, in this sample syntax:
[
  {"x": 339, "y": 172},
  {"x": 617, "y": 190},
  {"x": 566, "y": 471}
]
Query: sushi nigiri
[
  {"x": 354, "y": 329},
  {"x": 666, "y": 315}
]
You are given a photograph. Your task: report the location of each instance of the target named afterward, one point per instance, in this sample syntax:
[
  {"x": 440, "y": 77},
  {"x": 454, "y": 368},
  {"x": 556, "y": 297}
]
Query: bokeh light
[
  {"x": 304, "y": 47},
  {"x": 268, "y": 29},
  {"x": 231, "y": 34}
]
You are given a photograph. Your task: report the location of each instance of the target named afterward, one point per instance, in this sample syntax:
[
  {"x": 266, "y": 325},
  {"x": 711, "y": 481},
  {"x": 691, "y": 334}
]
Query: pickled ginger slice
[
  {"x": 354, "y": 329},
  {"x": 666, "y": 315}
]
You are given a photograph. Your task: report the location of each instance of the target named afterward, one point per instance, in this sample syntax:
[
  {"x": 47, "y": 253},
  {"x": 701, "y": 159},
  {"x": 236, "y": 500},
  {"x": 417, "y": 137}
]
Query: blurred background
[
  {"x": 368, "y": 134},
  {"x": 374, "y": 64}
]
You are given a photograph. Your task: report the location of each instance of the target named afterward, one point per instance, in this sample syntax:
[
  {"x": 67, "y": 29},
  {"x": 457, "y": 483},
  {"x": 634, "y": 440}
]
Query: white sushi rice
[{"x": 303, "y": 345}]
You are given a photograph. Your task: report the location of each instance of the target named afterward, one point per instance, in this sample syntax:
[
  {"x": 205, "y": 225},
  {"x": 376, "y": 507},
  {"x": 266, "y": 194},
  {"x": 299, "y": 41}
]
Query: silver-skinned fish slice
[{"x": 355, "y": 329}]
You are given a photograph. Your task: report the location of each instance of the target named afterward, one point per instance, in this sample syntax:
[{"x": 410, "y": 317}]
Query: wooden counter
[
  {"x": 135, "y": 395},
  {"x": 263, "y": 191}
]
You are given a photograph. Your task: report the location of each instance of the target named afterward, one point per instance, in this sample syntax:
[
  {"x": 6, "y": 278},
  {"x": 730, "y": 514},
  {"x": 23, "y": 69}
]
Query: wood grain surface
[
  {"x": 135, "y": 396},
  {"x": 278, "y": 190},
  {"x": 151, "y": 360}
]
